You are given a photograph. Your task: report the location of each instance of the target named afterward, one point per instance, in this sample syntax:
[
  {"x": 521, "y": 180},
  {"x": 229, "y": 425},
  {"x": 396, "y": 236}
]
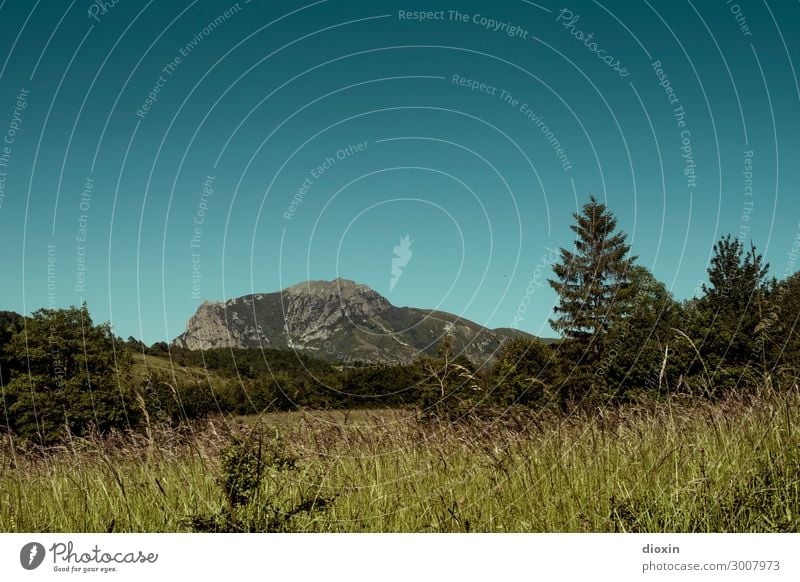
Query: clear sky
[{"x": 156, "y": 154}]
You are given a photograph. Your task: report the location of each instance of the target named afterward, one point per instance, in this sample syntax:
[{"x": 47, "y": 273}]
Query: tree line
[{"x": 623, "y": 336}]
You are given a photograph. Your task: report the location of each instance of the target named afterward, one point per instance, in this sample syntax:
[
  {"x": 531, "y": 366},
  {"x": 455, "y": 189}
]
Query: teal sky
[{"x": 480, "y": 133}]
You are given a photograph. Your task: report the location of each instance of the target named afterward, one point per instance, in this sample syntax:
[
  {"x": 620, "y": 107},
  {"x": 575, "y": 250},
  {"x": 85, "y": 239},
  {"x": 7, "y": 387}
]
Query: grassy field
[{"x": 682, "y": 466}]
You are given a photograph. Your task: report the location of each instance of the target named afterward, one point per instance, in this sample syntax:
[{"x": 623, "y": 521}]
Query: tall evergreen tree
[
  {"x": 592, "y": 282},
  {"x": 593, "y": 286}
]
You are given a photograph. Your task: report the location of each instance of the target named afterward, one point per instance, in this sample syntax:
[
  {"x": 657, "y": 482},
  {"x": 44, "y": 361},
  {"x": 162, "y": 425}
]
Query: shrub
[{"x": 262, "y": 492}]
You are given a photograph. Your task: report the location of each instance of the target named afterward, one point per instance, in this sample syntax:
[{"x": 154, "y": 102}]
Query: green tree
[
  {"x": 641, "y": 341},
  {"x": 10, "y": 323},
  {"x": 778, "y": 331},
  {"x": 66, "y": 376},
  {"x": 525, "y": 373},
  {"x": 593, "y": 287},
  {"x": 729, "y": 315}
]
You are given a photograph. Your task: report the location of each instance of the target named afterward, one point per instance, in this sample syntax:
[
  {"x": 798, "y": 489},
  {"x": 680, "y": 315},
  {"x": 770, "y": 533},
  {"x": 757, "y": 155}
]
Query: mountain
[
  {"x": 511, "y": 332},
  {"x": 339, "y": 321}
]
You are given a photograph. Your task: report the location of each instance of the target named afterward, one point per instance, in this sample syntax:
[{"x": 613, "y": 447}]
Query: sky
[{"x": 158, "y": 154}]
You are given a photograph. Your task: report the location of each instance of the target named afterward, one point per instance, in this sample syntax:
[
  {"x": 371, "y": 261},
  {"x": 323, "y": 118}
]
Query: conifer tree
[{"x": 592, "y": 283}]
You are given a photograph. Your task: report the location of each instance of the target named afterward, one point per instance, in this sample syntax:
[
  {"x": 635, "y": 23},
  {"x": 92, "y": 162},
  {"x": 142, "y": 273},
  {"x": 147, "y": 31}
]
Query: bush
[{"x": 262, "y": 491}]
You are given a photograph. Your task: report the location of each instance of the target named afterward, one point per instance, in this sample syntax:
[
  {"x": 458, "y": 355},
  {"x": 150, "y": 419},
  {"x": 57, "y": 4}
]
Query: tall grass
[{"x": 679, "y": 466}]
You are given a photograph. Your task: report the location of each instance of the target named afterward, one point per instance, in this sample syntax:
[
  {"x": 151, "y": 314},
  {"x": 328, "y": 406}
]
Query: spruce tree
[{"x": 593, "y": 287}]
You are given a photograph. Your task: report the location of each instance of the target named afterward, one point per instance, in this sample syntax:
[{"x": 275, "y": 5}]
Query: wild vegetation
[
  {"x": 651, "y": 414},
  {"x": 678, "y": 465}
]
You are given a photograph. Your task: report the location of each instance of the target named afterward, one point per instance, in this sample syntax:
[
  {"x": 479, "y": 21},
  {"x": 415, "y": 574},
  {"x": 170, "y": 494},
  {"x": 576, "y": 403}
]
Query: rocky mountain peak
[
  {"x": 331, "y": 298},
  {"x": 343, "y": 288},
  {"x": 338, "y": 320}
]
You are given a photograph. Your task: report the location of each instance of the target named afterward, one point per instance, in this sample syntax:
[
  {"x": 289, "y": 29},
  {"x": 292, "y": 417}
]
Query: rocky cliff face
[
  {"x": 339, "y": 321},
  {"x": 317, "y": 308},
  {"x": 214, "y": 325}
]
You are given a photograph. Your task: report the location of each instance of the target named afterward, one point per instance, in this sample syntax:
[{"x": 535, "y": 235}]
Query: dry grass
[{"x": 731, "y": 465}]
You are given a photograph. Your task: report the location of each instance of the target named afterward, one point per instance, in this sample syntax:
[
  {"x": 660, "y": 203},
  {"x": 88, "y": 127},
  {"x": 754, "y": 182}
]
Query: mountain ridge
[{"x": 338, "y": 320}]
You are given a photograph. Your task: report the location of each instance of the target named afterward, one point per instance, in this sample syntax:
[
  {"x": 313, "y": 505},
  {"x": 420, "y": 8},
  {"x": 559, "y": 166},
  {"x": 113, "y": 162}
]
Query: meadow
[{"x": 676, "y": 465}]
